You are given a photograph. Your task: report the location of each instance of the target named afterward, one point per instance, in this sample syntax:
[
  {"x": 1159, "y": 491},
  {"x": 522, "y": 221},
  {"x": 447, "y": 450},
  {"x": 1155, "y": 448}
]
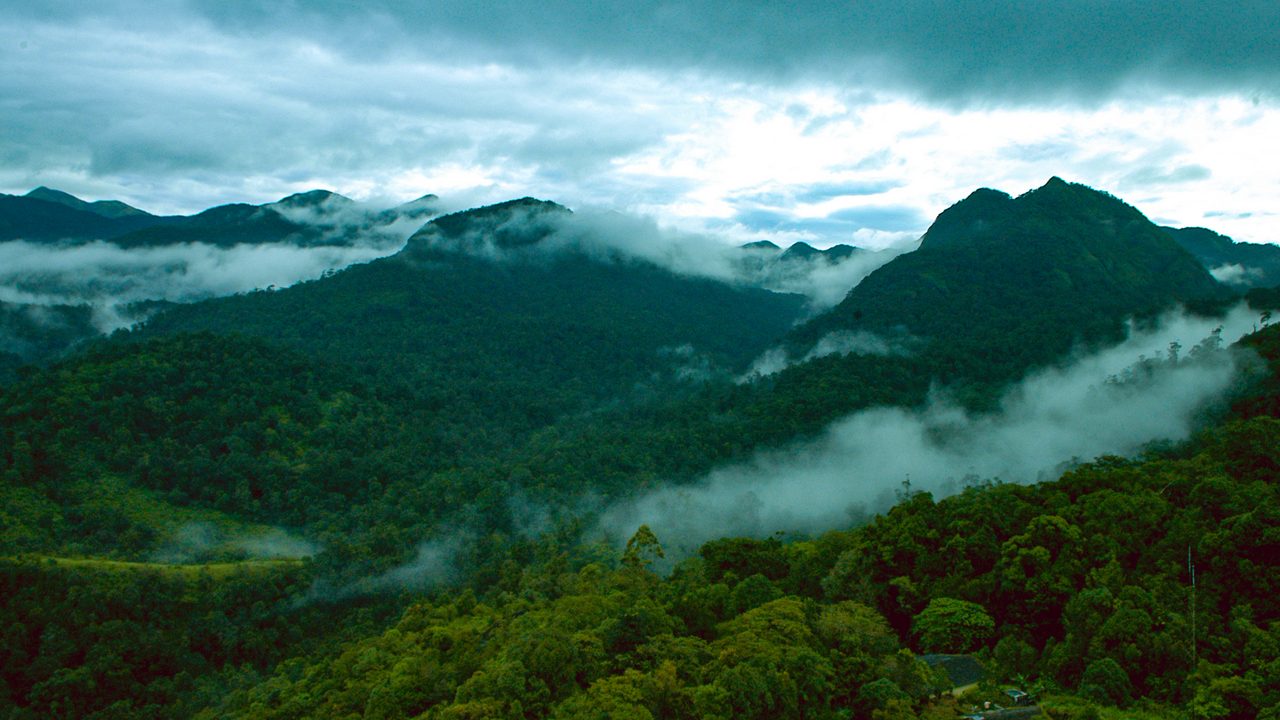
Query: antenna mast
[{"x": 1191, "y": 569}]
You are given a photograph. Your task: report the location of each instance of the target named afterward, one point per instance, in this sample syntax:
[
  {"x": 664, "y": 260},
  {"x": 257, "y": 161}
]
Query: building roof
[{"x": 961, "y": 669}]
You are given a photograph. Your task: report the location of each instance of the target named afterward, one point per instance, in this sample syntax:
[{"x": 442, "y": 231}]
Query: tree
[
  {"x": 642, "y": 549},
  {"x": 1106, "y": 682},
  {"x": 953, "y": 626}
]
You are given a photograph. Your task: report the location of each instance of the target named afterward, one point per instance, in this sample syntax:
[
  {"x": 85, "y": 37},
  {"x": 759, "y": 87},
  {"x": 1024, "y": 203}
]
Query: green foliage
[
  {"x": 92, "y": 639},
  {"x": 1002, "y": 284},
  {"x": 1105, "y": 682},
  {"x": 438, "y": 394},
  {"x": 642, "y": 549},
  {"x": 948, "y": 625}
]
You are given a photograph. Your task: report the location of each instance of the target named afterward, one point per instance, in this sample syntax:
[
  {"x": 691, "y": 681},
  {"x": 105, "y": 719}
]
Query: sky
[{"x": 827, "y": 122}]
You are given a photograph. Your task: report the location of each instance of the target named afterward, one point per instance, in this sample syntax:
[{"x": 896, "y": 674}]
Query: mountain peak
[
  {"x": 312, "y": 199},
  {"x": 514, "y": 223},
  {"x": 1064, "y": 263},
  {"x": 800, "y": 250},
  {"x": 47, "y": 193},
  {"x": 103, "y": 208}
]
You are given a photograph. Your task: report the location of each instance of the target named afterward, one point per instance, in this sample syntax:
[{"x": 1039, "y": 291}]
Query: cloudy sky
[{"x": 824, "y": 121}]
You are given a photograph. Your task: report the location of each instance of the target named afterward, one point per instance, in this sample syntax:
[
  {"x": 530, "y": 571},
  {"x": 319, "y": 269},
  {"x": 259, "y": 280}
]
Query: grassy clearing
[{"x": 185, "y": 571}]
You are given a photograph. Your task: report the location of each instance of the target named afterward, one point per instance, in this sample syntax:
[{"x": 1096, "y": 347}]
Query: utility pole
[{"x": 1191, "y": 569}]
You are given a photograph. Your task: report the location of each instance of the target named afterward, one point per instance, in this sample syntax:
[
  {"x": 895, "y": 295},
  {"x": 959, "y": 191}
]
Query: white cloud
[
  {"x": 192, "y": 106},
  {"x": 1235, "y": 274},
  {"x": 1050, "y": 418},
  {"x": 107, "y": 276}
]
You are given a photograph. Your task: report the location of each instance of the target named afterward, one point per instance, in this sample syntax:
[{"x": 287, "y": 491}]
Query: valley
[{"x": 503, "y": 463}]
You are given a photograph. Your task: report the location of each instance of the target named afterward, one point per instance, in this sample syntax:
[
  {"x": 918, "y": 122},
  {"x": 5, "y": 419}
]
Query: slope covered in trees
[
  {"x": 1078, "y": 585},
  {"x": 435, "y": 419},
  {"x": 1235, "y": 263},
  {"x": 1000, "y": 284},
  {"x": 505, "y": 344},
  {"x": 39, "y": 218}
]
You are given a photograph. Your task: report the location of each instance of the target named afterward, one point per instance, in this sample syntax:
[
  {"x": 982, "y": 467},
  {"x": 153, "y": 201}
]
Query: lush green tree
[{"x": 948, "y": 625}]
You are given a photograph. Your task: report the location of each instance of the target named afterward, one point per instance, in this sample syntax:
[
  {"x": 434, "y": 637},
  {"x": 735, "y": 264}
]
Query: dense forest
[{"x": 378, "y": 493}]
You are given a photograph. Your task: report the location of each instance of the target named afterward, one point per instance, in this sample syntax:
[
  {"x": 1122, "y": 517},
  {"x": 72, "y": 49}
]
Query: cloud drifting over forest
[
  {"x": 815, "y": 122},
  {"x": 108, "y": 277},
  {"x": 1053, "y": 417}
]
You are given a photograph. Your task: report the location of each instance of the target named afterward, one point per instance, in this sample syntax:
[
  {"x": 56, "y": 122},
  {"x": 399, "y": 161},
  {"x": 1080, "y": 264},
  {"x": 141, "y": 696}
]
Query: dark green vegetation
[
  {"x": 498, "y": 348},
  {"x": 1080, "y": 583},
  {"x": 143, "y": 641},
  {"x": 29, "y": 333},
  {"x": 44, "y": 215},
  {"x": 1000, "y": 284},
  {"x": 317, "y": 217},
  {"x": 469, "y": 392},
  {"x": 1255, "y": 265}
]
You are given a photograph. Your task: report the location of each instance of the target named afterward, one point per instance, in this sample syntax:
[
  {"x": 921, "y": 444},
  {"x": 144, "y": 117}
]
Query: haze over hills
[
  {"x": 72, "y": 269},
  {"x": 518, "y": 381},
  {"x": 1234, "y": 263},
  {"x": 315, "y": 217},
  {"x": 1000, "y": 284},
  {"x": 475, "y": 315}
]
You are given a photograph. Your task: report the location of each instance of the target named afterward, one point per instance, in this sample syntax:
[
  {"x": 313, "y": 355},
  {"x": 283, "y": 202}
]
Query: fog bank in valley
[
  {"x": 1052, "y": 418},
  {"x": 108, "y": 278}
]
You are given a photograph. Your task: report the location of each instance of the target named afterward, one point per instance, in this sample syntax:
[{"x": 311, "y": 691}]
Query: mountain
[
  {"x": 476, "y": 315},
  {"x": 1248, "y": 265},
  {"x": 42, "y": 219},
  {"x": 224, "y": 226},
  {"x": 1000, "y": 284},
  {"x": 376, "y": 494},
  {"x": 312, "y": 218},
  {"x": 820, "y": 274},
  {"x": 324, "y": 200},
  {"x": 801, "y": 251},
  {"x": 505, "y": 226},
  {"x": 106, "y": 208}
]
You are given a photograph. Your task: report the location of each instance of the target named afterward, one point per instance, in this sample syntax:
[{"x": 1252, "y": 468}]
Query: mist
[
  {"x": 606, "y": 235},
  {"x": 108, "y": 278},
  {"x": 196, "y": 541},
  {"x": 609, "y": 236},
  {"x": 1048, "y": 421},
  {"x": 839, "y": 342},
  {"x": 1236, "y": 274}
]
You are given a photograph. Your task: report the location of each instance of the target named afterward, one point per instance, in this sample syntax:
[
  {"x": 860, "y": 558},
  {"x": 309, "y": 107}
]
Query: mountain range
[
  {"x": 316, "y": 217},
  {"x": 383, "y": 491}
]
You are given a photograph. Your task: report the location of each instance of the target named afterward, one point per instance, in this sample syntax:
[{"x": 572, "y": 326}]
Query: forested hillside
[
  {"x": 1082, "y": 584},
  {"x": 1000, "y": 284},
  {"x": 381, "y": 493},
  {"x": 506, "y": 346}
]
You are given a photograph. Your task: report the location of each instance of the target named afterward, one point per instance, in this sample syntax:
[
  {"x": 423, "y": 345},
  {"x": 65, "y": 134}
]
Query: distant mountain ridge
[
  {"x": 1241, "y": 264},
  {"x": 44, "y": 219},
  {"x": 477, "y": 335},
  {"x": 1013, "y": 282},
  {"x": 312, "y": 218},
  {"x": 105, "y": 208}
]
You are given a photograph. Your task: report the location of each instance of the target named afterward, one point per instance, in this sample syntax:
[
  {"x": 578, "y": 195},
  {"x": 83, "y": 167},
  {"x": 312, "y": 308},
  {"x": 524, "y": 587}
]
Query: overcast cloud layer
[{"x": 827, "y": 122}]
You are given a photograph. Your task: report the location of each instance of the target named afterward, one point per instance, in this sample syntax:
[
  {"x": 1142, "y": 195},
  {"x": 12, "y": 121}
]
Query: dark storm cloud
[
  {"x": 819, "y": 192},
  {"x": 109, "y": 91},
  {"x": 675, "y": 109},
  {"x": 889, "y": 217},
  {"x": 1154, "y": 175},
  {"x": 997, "y": 49},
  {"x": 1002, "y": 49}
]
